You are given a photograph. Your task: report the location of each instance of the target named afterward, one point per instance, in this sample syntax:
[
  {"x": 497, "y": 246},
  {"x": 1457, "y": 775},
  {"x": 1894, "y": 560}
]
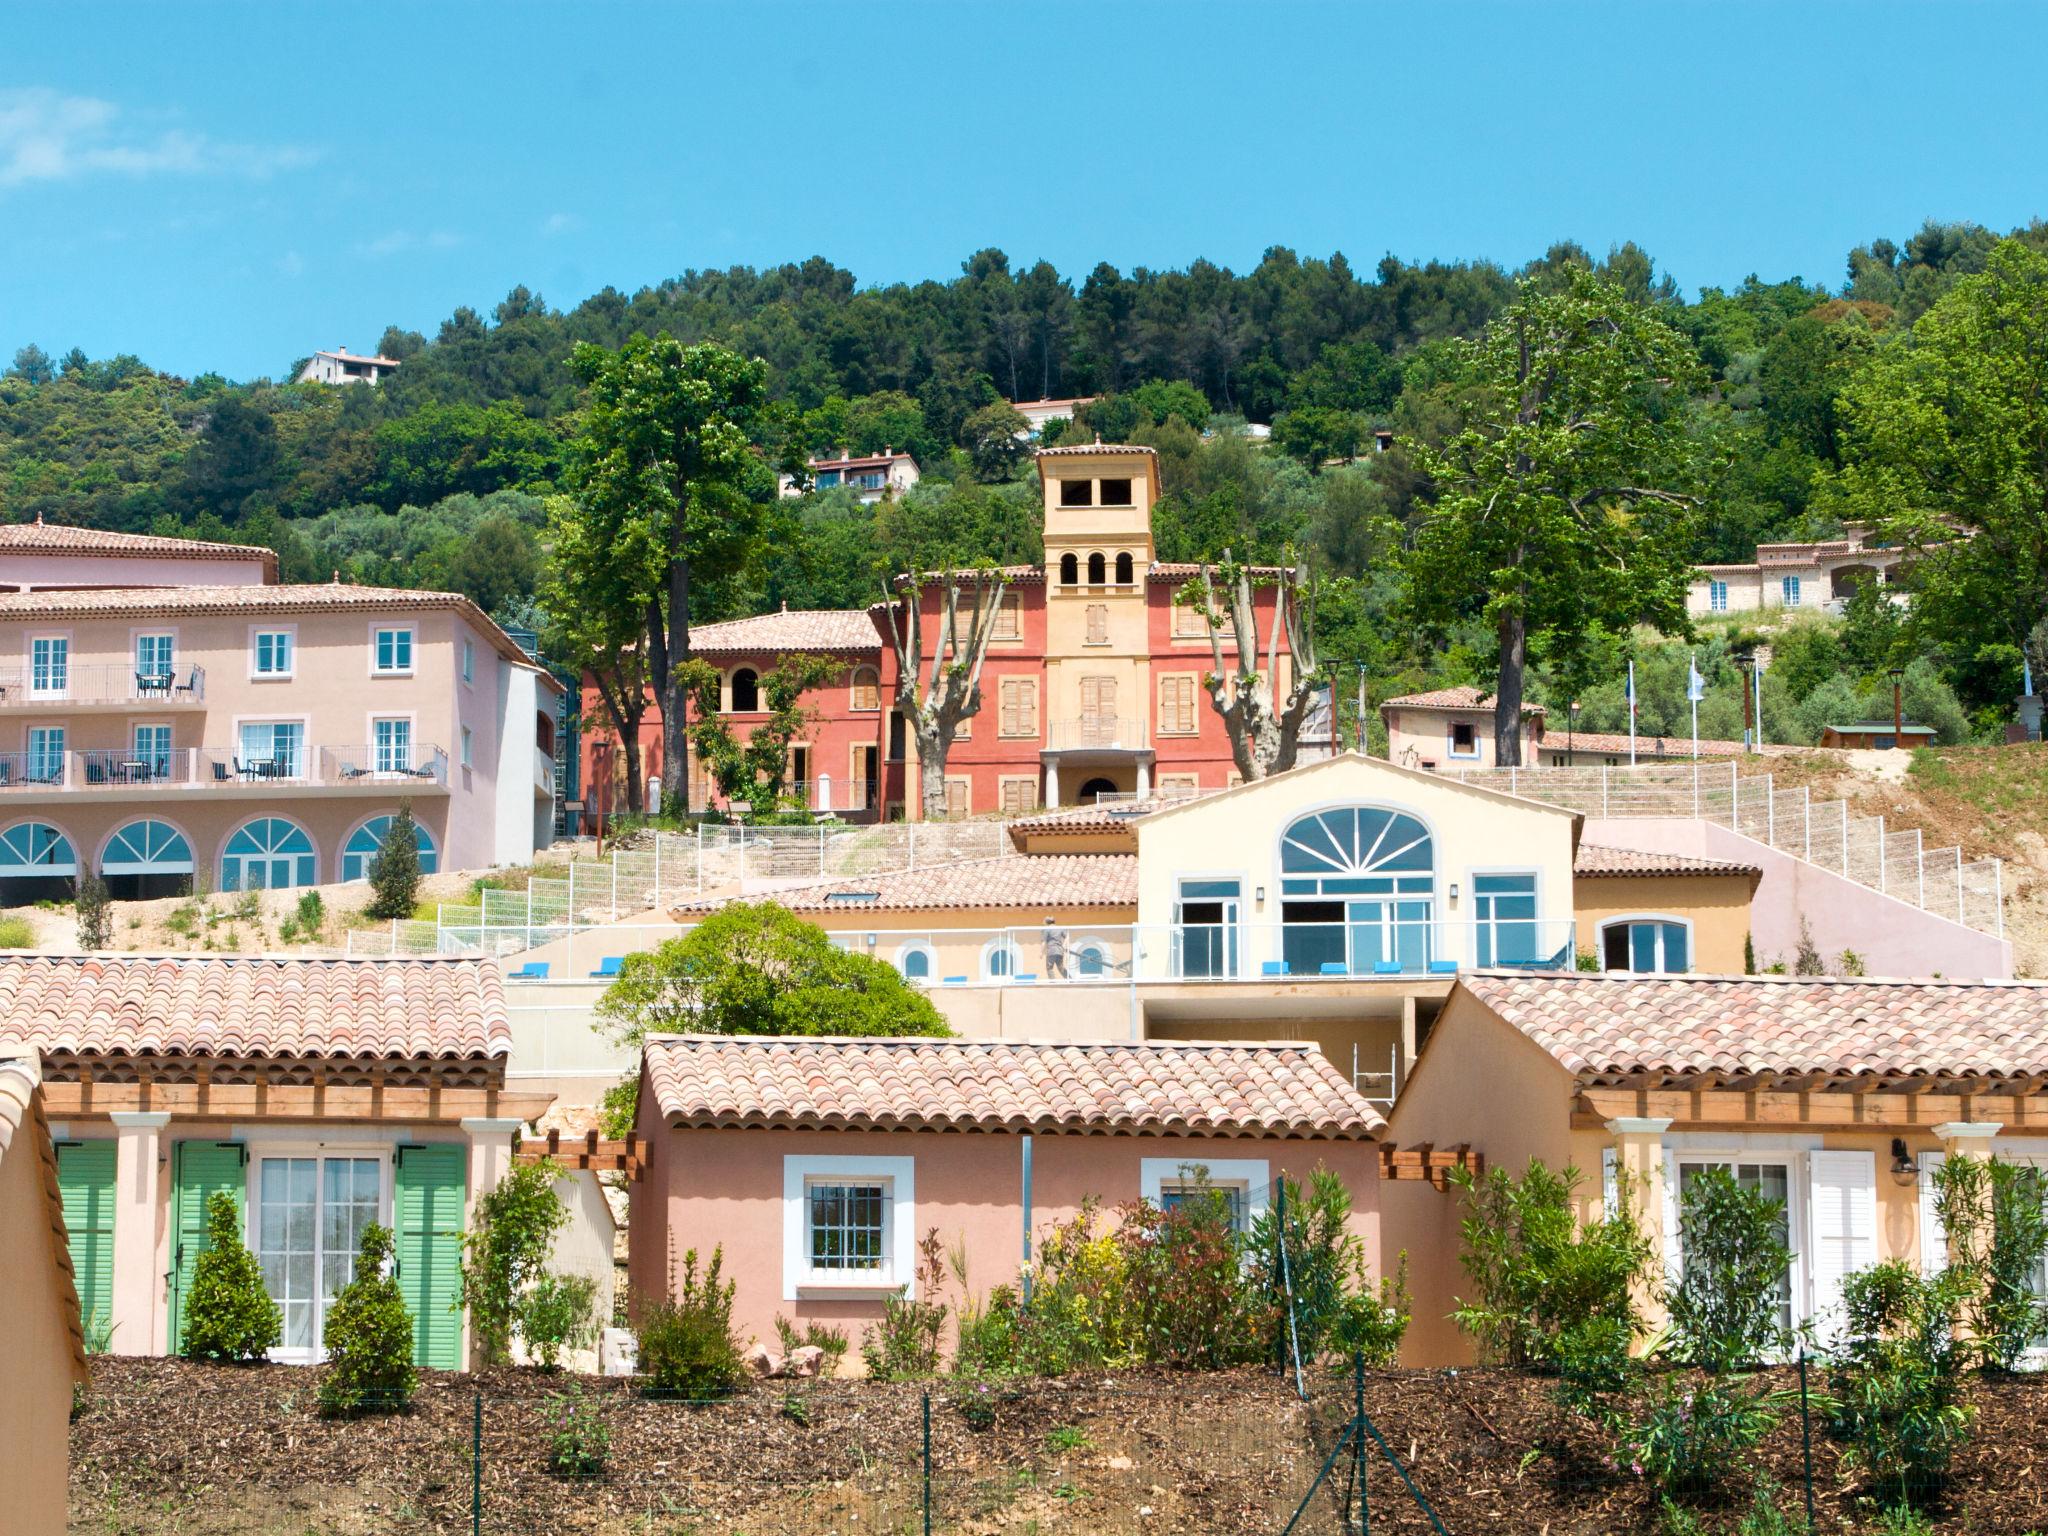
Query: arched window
[
  {"x": 915, "y": 962},
  {"x": 1070, "y": 570},
  {"x": 366, "y": 840},
  {"x": 1357, "y": 894},
  {"x": 265, "y": 854},
  {"x": 746, "y": 691},
  {"x": 147, "y": 848},
  {"x": 999, "y": 960},
  {"x": 1355, "y": 841},
  {"x": 1098, "y": 569},
  {"x": 36, "y": 848},
  {"x": 867, "y": 688},
  {"x": 1091, "y": 959},
  {"x": 1124, "y": 578}
]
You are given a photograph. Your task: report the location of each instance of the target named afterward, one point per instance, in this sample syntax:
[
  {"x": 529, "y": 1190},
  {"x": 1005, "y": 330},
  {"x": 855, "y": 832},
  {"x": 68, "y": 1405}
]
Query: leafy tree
[
  {"x": 1568, "y": 499},
  {"x": 934, "y": 696},
  {"x": 668, "y": 492},
  {"x": 395, "y": 869},
  {"x": 228, "y": 1314},
  {"x": 95, "y": 923},
  {"x": 32, "y": 365},
  {"x": 369, "y": 1336},
  {"x": 754, "y": 770},
  {"x": 755, "y": 968},
  {"x": 235, "y": 460},
  {"x": 506, "y": 1249},
  {"x": 1724, "y": 1302},
  {"x": 1994, "y": 1226},
  {"x": 586, "y": 619},
  {"x": 496, "y": 565},
  {"x": 995, "y": 440}
]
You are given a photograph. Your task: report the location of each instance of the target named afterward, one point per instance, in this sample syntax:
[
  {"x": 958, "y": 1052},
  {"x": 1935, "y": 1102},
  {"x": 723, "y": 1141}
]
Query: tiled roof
[
  {"x": 191, "y": 1005},
  {"x": 1594, "y": 862},
  {"x": 862, "y": 461},
  {"x": 1034, "y": 881},
  {"x": 60, "y": 539},
  {"x": 307, "y": 597},
  {"x": 792, "y": 629},
  {"x": 1078, "y": 450},
  {"x": 1607, "y": 1026},
  {"x": 1465, "y": 696},
  {"x": 1082, "y": 821},
  {"x": 1647, "y": 747},
  {"x": 1155, "y": 1088},
  {"x": 25, "y": 1134}
]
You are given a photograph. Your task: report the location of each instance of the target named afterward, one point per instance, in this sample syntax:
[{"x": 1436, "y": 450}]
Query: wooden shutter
[
  {"x": 200, "y": 1169},
  {"x": 1098, "y": 624},
  {"x": 1009, "y": 618},
  {"x": 1098, "y": 709},
  {"x": 1019, "y": 710},
  {"x": 1020, "y": 796},
  {"x": 867, "y": 688},
  {"x": 1177, "y": 705},
  {"x": 1842, "y": 1196},
  {"x": 85, "y": 1178},
  {"x": 429, "y": 1190},
  {"x": 956, "y": 797}
]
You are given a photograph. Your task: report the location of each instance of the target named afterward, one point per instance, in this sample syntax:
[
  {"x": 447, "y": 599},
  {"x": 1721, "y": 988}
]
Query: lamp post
[
  {"x": 1898, "y": 708},
  {"x": 1745, "y": 658}
]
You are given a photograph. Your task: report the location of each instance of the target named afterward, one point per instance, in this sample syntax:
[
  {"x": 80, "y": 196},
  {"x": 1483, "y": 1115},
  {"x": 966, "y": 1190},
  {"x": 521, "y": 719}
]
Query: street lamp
[
  {"x": 1745, "y": 658},
  {"x": 1898, "y": 707}
]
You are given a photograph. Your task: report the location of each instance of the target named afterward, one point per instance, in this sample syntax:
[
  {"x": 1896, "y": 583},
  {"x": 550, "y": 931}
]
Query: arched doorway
[
  {"x": 1091, "y": 789},
  {"x": 267, "y": 853},
  {"x": 146, "y": 859},
  {"x": 363, "y": 845}
]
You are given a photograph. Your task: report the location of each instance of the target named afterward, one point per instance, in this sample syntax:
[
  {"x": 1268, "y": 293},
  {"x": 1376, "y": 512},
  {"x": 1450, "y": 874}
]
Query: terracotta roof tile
[
  {"x": 1081, "y": 821},
  {"x": 1150, "y": 1089},
  {"x": 1594, "y": 862},
  {"x": 1464, "y": 696},
  {"x": 1648, "y": 748},
  {"x": 1035, "y": 881},
  {"x": 1600, "y": 1026},
  {"x": 190, "y": 1005},
  {"x": 62, "y": 539},
  {"x": 792, "y": 629}
]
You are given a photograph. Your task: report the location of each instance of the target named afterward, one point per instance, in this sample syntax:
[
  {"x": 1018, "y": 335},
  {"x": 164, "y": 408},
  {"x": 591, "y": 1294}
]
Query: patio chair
[
  {"x": 1443, "y": 967},
  {"x": 1334, "y": 968},
  {"x": 1386, "y": 967},
  {"x": 608, "y": 967},
  {"x": 220, "y": 773},
  {"x": 1272, "y": 967},
  {"x": 95, "y": 772},
  {"x": 533, "y": 970}
]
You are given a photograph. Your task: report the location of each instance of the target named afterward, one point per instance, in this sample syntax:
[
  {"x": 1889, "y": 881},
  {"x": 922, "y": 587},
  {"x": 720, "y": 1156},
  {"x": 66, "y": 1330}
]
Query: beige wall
[
  {"x": 23, "y": 572},
  {"x": 35, "y": 1348},
  {"x": 707, "y": 1188},
  {"x": 1416, "y": 736},
  {"x": 1717, "y": 907}
]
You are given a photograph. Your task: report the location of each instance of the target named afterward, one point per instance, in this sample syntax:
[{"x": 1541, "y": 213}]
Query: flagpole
[{"x": 1631, "y": 713}]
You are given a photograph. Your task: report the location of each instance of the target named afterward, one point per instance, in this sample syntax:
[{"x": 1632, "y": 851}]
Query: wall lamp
[{"x": 1904, "y": 1169}]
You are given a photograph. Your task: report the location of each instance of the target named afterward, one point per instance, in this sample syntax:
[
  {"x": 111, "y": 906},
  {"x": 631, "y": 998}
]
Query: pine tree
[
  {"x": 395, "y": 871},
  {"x": 369, "y": 1337},
  {"x": 228, "y": 1316},
  {"x": 95, "y": 925}
]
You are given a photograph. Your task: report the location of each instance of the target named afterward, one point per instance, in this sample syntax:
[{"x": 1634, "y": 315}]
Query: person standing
[{"x": 1055, "y": 950}]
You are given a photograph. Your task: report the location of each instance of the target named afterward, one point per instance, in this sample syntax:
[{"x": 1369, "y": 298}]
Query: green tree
[
  {"x": 995, "y": 440},
  {"x": 669, "y": 492},
  {"x": 755, "y": 968},
  {"x": 754, "y": 770},
  {"x": 934, "y": 694},
  {"x": 1568, "y": 499},
  {"x": 95, "y": 924},
  {"x": 32, "y": 364},
  {"x": 505, "y": 1251},
  {"x": 1946, "y": 451},
  {"x": 228, "y": 1314},
  {"x": 395, "y": 869},
  {"x": 369, "y": 1336},
  {"x": 588, "y": 616}
]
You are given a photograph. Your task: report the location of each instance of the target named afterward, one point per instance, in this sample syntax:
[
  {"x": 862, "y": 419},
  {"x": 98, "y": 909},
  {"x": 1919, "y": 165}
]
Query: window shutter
[
  {"x": 1009, "y": 618},
  {"x": 1933, "y": 1241},
  {"x": 956, "y": 797},
  {"x": 85, "y": 1179},
  {"x": 429, "y": 1191},
  {"x": 1098, "y": 623},
  {"x": 1027, "y": 707},
  {"x": 1610, "y": 1185},
  {"x": 199, "y": 1170},
  {"x": 1842, "y": 1221}
]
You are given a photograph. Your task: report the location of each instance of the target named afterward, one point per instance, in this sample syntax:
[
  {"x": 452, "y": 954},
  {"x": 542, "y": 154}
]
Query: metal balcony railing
[
  {"x": 214, "y": 768},
  {"x": 99, "y": 683}
]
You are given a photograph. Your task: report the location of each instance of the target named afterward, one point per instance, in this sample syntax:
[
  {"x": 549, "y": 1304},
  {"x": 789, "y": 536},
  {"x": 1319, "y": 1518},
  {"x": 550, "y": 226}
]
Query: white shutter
[
  {"x": 1842, "y": 1222},
  {"x": 1610, "y": 1191},
  {"x": 1674, "y": 1245},
  {"x": 1933, "y": 1241}
]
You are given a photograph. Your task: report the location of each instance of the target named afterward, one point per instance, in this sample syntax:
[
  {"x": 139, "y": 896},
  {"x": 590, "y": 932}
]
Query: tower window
[
  {"x": 1116, "y": 493},
  {"x": 1070, "y": 570},
  {"x": 1098, "y": 570},
  {"x": 1124, "y": 569},
  {"x": 1077, "y": 493}
]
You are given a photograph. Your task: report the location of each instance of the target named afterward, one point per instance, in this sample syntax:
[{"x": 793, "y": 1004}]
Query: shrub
[
  {"x": 578, "y": 1438},
  {"x": 1335, "y": 1306},
  {"x": 687, "y": 1347},
  {"x": 1373, "y": 1321},
  {"x": 904, "y": 1345},
  {"x": 817, "y": 1335},
  {"x": 228, "y": 1315},
  {"x": 1994, "y": 1221},
  {"x": 395, "y": 869},
  {"x": 1898, "y": 1377},
  {"x": 987, "y": 1344},
  {"x": 369, "y": 1336},
  {"x": 1542, "y": 1274},
  {"x": 1078, "y": 1316},
  {"x": 1724, "y": 1303},
  {"x": 95, "y": 925},
  {"x": 1695, "y": 1432},
  {"x": 505, "y": 1250},
  {"x": 311, "y": 914},
  {"x": 554, "y": 1313},
  {"x": 1185, "y": 1272},
  {"x": 16, "y": 933}
]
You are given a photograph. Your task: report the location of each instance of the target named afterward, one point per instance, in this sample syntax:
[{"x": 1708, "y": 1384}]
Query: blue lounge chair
[
  {"x": 1386, "y": 967},
  {"x": 609, "y": 967},
  {"x": 1443, "y": 967},
  {"x": 953, "y": 981},
  {"x": 1272, "y": 967},
  {"x": 1335, "y": 968},
  {"x": 1026, "y": 976},
  {"x": 533, "y": 970}
]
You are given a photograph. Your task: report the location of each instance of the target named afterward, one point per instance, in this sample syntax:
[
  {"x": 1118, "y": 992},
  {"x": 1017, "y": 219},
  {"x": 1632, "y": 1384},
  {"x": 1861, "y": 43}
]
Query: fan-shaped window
[
  {"x": 1098, "y": 569},
  {"x": 1336, "y": 848},
  {"x": 1124, "y": 577},
  {"x": 1070, "y": 570},
  {"x": 265, "y": 854},
  {"x": 147, "y": 848},
  {"x": 36, "y": 848},
  {"x": 363, "y": 844},
  {"x": 746, "y": 691},
  {"x": 1357, "y": 887}
]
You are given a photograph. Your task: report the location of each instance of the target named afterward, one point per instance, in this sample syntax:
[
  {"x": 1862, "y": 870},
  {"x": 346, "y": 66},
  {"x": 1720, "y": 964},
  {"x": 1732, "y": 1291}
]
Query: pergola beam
[{"x": 261, "y": 1101}]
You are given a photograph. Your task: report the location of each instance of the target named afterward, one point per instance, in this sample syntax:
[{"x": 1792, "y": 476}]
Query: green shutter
[
  {"x": 199, "y": 1169},
  {"x": 430, "y": 1190},
  {"x": 85, "y": 1175}
]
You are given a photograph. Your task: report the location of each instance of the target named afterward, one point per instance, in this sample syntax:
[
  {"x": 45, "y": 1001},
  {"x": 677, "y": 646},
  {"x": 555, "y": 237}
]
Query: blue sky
[{"x": 227, "y": 186}]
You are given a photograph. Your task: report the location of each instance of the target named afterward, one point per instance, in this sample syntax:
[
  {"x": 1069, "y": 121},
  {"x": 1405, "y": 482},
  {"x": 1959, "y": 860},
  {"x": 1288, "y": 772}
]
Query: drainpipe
[{"x": 1027, "y": 1217}]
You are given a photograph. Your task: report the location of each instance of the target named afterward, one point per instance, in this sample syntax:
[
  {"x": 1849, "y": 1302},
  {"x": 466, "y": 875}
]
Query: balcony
[
  {"x": 1098, "y": 733},
  {"x": 100, "y": 686},
  {"x": 544, "y": 774},
  {"x": 122, "y": 773}
]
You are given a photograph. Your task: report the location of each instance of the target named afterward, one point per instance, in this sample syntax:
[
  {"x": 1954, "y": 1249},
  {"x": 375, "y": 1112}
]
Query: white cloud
[
  {"x": 397, "y": 242},
  {"x": 48, "y": 136}
]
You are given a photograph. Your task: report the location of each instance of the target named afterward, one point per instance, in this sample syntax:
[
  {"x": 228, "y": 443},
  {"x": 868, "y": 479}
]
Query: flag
[
  {"x": 1695, "y": 685},
  {"x": 1630, "y": 692}
]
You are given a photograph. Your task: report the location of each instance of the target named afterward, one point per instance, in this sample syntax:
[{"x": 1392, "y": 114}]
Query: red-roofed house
[
  {"x": 342, "y": 366},
  {"x": 871, "y": 476}
]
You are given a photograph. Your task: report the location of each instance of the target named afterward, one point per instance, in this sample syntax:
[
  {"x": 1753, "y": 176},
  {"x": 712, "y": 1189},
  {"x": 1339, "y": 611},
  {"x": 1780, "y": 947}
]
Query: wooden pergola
[{"x": 1862, "y": 1101}]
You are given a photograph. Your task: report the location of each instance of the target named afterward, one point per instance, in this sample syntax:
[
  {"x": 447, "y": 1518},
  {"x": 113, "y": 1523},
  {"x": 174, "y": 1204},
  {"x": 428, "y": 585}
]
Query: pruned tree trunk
[
  {"x": 1264, "y": 724},
  {"x": 624, "y": 697},
  {"x": 668, "y": 647},
  {"x": 1507, "y": 698},
  {"x": 935, "y": 695}
]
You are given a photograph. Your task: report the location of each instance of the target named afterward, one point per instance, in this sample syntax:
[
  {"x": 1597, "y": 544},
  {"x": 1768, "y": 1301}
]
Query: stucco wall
[
  {"x": 1892, "y": 937},
  {"x": 35, "y": 1350},
  {"x": 709, "y": 1188}
]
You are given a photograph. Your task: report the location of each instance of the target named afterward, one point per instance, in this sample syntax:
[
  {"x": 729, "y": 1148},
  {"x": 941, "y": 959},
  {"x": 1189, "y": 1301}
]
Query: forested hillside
[{"x": 438, "y": 477}]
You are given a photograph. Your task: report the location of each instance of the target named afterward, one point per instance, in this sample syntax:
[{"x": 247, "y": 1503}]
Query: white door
[{"x": 310, "y": 1215}]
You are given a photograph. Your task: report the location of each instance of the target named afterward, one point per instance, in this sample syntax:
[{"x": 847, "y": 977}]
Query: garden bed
[{"x": 166, "y": 1446}]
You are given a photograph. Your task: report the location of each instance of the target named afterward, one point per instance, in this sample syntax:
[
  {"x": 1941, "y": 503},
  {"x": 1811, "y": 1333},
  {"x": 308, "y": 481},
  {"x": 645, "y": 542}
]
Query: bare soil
[{"x": 166, "y": 1446}]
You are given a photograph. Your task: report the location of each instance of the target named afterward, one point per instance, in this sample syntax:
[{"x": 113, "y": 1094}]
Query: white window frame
[
  {"x": 899, "y": 1236},
  {"x": 1717, "y": 596},
  {"x": 305, "y": 726},
  {"x": 136, "y": 637},
  {"x": 1788, "y": 590},
  {"x": 1000, "y": 944},
  {"x": 31, "y": 757},
  {"x": 1790, "y": 1153},
  {"x": 411, "y": 723},
  {"x": 931, "y": 960},
  {"x": 136, "y": 727},
  {"x": 1622, "y": 920},
  {"x": 1451, "y": 741},
  {"x": 290, "y": 634},
  {"x": 1100, "y": 948},
  {"x": 1472, "y": 895},
  {"x": 412, "y": 646},
  {"x": 252, "y": 1206},
  {"x": 468, "y": 659},
  {"x": 1253, "y": 1175},
  {"x": 63, "y": 689}
]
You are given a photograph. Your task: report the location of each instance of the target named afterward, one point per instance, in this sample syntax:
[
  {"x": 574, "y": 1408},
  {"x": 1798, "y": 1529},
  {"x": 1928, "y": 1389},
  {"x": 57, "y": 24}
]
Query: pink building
[
  {"x": 169, "y": 711},
  {"x": 818, "y": 1164}
]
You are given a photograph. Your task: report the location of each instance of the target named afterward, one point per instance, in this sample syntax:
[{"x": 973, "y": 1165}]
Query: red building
[{"x": 1093, "y": 681}]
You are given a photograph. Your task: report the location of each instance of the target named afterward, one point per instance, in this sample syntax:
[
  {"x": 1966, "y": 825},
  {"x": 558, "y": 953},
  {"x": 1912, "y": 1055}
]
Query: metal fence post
[
  {"x": 821, "y": 850},
  {"x": 1806, "y": 1440},
  {"x": 476, "y": 1468},
  {"x": 1358, "y": 1405},
  {"x": 927, "y": 1464},
  {"x": 1806, "y": 819}
]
